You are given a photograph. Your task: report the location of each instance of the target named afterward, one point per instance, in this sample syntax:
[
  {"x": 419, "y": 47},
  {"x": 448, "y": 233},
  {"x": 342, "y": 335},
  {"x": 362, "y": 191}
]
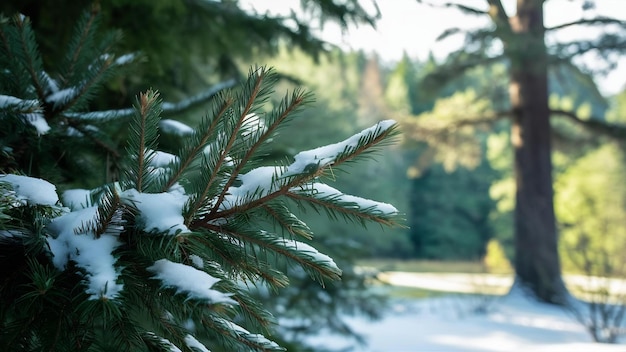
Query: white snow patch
[
  {"x": 311, "y": 251},
  {"x": 38, "y": 121},
  {"x": 253, "y": 124},
  {"x": 326, "y": 155},
  {"x": 124, "y": 59},
  {"x": 10, "y": 233},
  {"x": 52, "y": 84},
  {"x": 76, "y": 199},
  {"x": 162, "y": 159},
  {"x": 62, "y": 97},
  {"x": 92, "y": 254},
  {"x": 254, "y": 184},
  {"x": 193, "y": 343},
  {"x": 186, "y": 279},
  {"x": 166, "y": 342},
  {"x": 321, "y": 190},
  {"x": 257, "y": 338},
  {"x": 30, "y": 190},
  {"x": 100, "y": 115},
  {"x": 511, "y": 323},
  {"x": 175, "y": 127},
  {"x": 158, "y": 211},
  {"x": 8, "y": 100},
  {"x": 196, "y": 261}
]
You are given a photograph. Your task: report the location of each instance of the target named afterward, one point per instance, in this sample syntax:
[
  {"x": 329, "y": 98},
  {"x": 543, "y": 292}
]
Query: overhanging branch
[
  {"x": 463, "y": 8},
  {"x": 589, "y": 22},
  {"x": 612, "y": 130},
  {"x": 460, "y": 63},
  {"x": 606, "y": 44}
]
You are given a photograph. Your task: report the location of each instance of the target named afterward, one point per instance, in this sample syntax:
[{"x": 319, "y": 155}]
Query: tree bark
[{"x": 537, "y": 264}]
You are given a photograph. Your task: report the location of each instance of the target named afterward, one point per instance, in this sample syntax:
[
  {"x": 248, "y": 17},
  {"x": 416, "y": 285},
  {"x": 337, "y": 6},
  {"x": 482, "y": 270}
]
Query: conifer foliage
[{"x": 160, "y": 258}]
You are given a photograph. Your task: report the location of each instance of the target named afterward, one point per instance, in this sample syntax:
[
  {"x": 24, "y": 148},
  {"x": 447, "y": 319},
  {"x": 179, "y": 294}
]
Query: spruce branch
[
  {"x": 234, "y": 259},
  {"x": 95, "y": 139},
  {"x": 319, "y": 266},
  {"x": 200, "y": 98},
  {"x": 255, "y": 92},
  {"x": 301, "y": 171},
  {"x": 280, "y": 214},
  {"x": 143, "y": 140},
  {"x": 207, "y": 131},
  {"x": 83, "y": 36},
  {"x": 30, "y": 54},
  {"x": 333, "y": 205},
  {"x": 276, "y": 119},
  {"x": 110, "y": 213},
  {"x": 254, "y": 342},
  {"x": 70, "y": 98}
]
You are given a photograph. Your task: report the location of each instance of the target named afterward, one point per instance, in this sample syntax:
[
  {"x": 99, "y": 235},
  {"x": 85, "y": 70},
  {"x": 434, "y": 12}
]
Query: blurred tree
[{"x": 519, "y": 40}]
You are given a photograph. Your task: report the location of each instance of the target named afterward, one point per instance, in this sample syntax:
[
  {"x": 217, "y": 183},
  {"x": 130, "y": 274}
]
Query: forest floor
[{"x": 471, "y": 312}]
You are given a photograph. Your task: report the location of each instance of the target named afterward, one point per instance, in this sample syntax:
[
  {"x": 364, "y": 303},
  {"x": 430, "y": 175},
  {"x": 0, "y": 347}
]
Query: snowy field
[{"x": 467, "y": 323}]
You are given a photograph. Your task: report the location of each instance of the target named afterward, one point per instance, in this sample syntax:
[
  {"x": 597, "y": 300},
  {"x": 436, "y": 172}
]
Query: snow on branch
[
  {"x": 161, "y": 212},
  {"x": 7, "y": 101},
  {"x": 163, "y": 342},
  {"x": 31, "y": 191},
  {"x": 267, "y": 182},
  {"x": 256, "y": 340},
  {"x": 101, "y": 116},
  {"x": 323, "y": 191},
  {"x": 255, "y": 184},
  {"x": 90, "y": 253},
  {"x": 175, "y": 127},
  {"x": 328, "y": 155},
  {"x": 193, "y": 343},
  {"x": 29, "y": 110},
  {"x": 63, "y": 97},
  {"x": 316, "y": 256},
  {"x": 187, "y": 279}
]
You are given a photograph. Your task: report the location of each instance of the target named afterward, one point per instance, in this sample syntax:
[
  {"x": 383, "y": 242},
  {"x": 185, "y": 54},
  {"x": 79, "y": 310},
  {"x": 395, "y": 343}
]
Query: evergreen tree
[
  {"x": 520, "y": 38},
  {"x": 160, "y": 255}
]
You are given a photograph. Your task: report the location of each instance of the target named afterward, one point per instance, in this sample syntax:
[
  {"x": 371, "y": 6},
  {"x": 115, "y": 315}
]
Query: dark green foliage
[
  {"x": 48, "y": 108},
  {"x": 450, "y": 216},
  {"x": 180, "y": 41}
]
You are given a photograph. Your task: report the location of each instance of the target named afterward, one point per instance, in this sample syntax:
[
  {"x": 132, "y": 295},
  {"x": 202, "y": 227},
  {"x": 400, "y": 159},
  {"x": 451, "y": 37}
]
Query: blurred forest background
[{"x": 452, "y": 172}]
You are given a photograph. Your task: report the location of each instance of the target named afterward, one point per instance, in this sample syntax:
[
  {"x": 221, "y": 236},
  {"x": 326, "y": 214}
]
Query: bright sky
[{"x": 407, "y": 26}]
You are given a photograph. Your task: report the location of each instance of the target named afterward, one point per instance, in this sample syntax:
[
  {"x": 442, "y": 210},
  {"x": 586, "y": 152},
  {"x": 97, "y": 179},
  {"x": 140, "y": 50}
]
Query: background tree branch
[
  {"x": 463, "y": 8},
  {"x": 588, "y": 21},
  {"x": 613, "y": 130}
]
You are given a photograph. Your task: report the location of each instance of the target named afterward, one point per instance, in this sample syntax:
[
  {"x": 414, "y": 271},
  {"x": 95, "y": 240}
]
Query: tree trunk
[{"x": 537, "y": 263}]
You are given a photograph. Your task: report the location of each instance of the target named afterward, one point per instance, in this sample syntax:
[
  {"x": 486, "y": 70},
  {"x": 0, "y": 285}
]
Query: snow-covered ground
[{"x": 467, "y": 323}]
